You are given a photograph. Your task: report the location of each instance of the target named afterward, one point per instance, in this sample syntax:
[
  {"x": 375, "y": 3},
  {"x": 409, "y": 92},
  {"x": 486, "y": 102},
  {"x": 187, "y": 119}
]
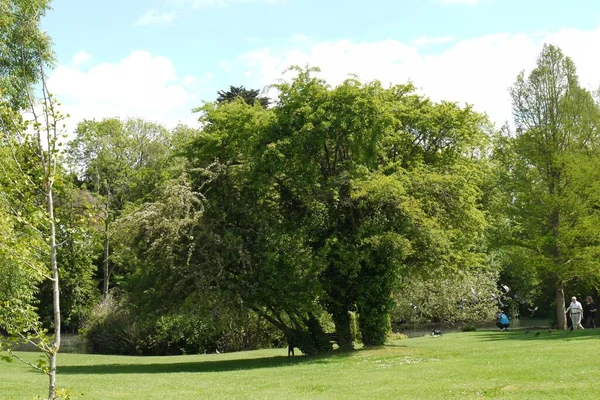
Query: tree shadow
[
  {"x": 540, "y": 334},
  {"x": 201, "y": 366}
]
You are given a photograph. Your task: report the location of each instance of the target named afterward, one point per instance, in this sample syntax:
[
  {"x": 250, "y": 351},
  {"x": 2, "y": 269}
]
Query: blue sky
[{"x": 159, "y": 58}]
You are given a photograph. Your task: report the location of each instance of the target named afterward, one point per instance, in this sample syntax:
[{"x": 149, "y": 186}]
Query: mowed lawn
[{"x": 487, "y": 364}]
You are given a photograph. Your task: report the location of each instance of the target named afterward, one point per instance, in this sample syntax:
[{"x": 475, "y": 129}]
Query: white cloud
[
  {"x": 429, "y": 40},
  {"x": 153, "y": 16},
  {"x": 476, "y": 71},
  {"x": 80, "y": 58},
  {"x": 189, "y": 80},
  {"x": 141, "y": 85}
]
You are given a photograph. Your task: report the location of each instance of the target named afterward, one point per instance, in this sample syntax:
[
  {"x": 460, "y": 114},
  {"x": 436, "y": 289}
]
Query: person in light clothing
[{"x": 576, "y": 310}]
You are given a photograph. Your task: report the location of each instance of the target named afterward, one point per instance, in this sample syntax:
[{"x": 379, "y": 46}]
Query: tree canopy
[
  {"x": 250, "y": 96},
  {"x": 549, "y": 169}
]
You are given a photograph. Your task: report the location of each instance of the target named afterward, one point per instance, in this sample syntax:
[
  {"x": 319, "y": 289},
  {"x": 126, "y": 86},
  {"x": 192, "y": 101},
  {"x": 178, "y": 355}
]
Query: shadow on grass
[
  {"x": 540, "y": 334},
  {"x": 201, "y": 366}
]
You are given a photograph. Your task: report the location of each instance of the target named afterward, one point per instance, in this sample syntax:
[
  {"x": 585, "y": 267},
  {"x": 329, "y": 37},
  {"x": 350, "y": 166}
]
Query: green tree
[
  {"x": 80, "y": 243},
  {"x": 324, "y": 168},
  {"x": 23, "y": 45},
  {"x": 309, "y": 211},
  {"x": 39, "y": 172},
  {"x": 250, "y": 96},
  {"x": 24, "y": 53},
  {"x": 548, "y": 172},
  {"x": 121, "y": 161},
  {"x": 377, "y": 174},
  {"x": 244, "y": 243}
]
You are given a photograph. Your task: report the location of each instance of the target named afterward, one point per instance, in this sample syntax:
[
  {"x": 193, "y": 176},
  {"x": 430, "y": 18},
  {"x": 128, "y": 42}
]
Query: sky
[{"x": 159, "y": 59}]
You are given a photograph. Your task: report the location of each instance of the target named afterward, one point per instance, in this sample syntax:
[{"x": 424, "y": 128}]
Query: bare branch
[{"x": 14, "y": 355}]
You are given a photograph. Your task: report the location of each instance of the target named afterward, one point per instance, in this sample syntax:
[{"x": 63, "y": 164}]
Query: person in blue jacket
[{"x": 502, "y": 320}]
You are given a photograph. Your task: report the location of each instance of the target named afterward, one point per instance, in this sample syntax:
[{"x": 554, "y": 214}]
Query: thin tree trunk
[
  {"x": 561, "y": 318},
  {"x": 105, "y": 283},
  {"x": 55, "y": 297},
  {"x": 258, "y": 333}
]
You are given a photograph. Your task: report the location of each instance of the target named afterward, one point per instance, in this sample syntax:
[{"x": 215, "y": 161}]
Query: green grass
[{"x": 490, "y": 364}]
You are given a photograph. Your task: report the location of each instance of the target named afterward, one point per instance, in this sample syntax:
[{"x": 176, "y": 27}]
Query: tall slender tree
[
  {"x": 550, "y": 170},
  {"x": 25, "y": 51}
]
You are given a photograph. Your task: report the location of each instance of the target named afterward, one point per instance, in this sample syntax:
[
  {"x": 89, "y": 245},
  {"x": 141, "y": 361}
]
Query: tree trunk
[
  {"x": 55, "y": 297},
  {"x": 105, "y": 282},
  {"x": 318, "y": 339},
  {"x": 310, "y": 339},
  {"x": 343, "y": 330},
  {"x": 561, "y": 318}
]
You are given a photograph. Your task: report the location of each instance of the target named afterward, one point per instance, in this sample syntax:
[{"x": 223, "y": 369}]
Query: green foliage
[
  {"x": 195, "y": 328},
  {"x": 30, "y": 170},
  {"x": 20, "y": 325},
  {"x": 24, "y": 47},
  {"x": 546, "y": 172},
  {"x": 452, "y": 298},
  {"x": 250, "y": 96},
  {"x": 161, "y": 246},
  {"x": 121, "y": 162},
  {"x": 326, "y": 184},
  {"x": 23, "y": 248},
  {"x": 111, "y": 329}
]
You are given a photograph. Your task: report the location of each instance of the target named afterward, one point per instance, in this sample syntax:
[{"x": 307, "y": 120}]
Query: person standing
[
  {"x": 589, "y": 313},
  {"x": 576, "y": 311}
]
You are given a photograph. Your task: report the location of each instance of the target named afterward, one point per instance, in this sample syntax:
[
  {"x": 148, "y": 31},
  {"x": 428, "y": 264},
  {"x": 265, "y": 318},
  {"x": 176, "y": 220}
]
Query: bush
[
  {"x": 113, "y": 328},
  {"x": 180, "y": 334},
  {"x": 468, "y": 328},
  {"x": 110, "y": 329},
  {"x": 192, "y": 333}
]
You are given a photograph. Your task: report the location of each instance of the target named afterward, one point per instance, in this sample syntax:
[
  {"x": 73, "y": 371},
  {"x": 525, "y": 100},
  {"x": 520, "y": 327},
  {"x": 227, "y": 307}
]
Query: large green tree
[
  {"x": 376, "y": 174},
  {"x": 549, "y": 170},
  {"x": 315, "y": 206}
]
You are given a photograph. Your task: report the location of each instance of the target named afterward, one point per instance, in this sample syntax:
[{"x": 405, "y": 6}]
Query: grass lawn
[{"x": 487, "y": 364}]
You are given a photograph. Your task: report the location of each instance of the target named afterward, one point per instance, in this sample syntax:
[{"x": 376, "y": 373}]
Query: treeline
[{"x": 346, "y": 209}]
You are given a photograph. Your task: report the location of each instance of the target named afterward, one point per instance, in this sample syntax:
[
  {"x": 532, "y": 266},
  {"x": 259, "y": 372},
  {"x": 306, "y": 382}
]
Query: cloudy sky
[{"x": 158, "y": 59}]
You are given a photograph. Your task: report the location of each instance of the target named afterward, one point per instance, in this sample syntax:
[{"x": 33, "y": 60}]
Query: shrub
[
  {"x": 113, "y": 328},
  {"x": 179, "y": 334},
  {"x": 110, "y": 329}
]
